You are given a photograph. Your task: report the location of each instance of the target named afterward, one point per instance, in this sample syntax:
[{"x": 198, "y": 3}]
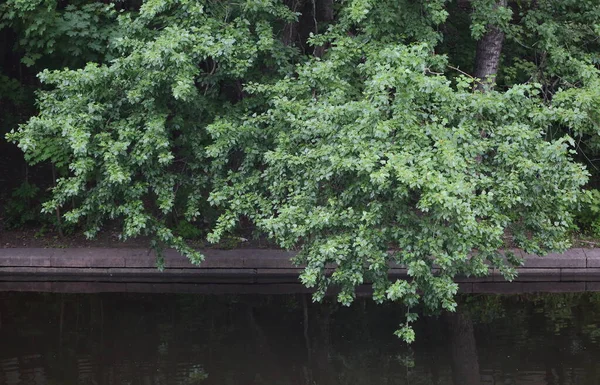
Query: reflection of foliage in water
[
  {"x": 180, "y": 339},
  {"x": 572, "y": 319},
  {"x": 562, "y": 310},
  {"x": 559, "y": 309},
  {"x": 197, "y": 375}
]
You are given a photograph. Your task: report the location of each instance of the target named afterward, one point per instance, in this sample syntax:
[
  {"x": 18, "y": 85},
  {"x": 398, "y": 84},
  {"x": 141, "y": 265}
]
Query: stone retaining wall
[{"x": 248, "y": 270}]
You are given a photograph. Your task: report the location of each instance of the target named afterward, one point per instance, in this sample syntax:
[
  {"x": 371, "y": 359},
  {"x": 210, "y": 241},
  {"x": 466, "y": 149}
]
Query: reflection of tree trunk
[
  {"x": 61, "y": 322},
  {"x": 465, "y": 362},
  {"x": 591, "y": 375},
  {"x": 264, "y": 347},
  {"x": 101, "y": 322},
  {"x": 321, "y": 344},
  {"x": 555, "y": 372},
  {"x": 305, "y": 325},
  {"x": 487, "y": 58},
  {"x": 432, "y": 343},
  {"x": 317, "y": 319},
  {"x": 258, "y": 332}
]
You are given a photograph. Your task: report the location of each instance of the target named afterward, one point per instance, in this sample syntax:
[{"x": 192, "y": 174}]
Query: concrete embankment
[{"x": 264, "y": 271}]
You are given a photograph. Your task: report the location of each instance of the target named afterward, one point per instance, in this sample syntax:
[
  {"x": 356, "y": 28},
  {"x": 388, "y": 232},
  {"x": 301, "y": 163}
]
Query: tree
[
  {"x": 489, "y": 49},
  {"x": 367, "y": 149}
]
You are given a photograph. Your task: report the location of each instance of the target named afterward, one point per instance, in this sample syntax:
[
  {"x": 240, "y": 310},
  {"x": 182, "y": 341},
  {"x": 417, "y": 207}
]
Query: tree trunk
[
  {"x": 291, "y": 31},
  {"x": 465, "y": 361},
  {"x": 324, "y": 10},
  {"x": 487, "y": 58},
  {"x": 58, "y": 216},
  {"x": 323, "y": 14},
  {"x": 315, "y": 15}
]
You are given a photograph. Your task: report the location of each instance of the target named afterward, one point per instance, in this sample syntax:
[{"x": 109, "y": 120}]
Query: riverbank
[{"x": 248, "y": 270}]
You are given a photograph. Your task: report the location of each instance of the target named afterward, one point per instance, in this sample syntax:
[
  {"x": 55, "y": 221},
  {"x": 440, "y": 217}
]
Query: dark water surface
[{"x": 194, "y": 339}]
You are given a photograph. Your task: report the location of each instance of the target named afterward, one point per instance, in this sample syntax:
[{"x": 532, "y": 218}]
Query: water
[{"x": 251, "y": 340}]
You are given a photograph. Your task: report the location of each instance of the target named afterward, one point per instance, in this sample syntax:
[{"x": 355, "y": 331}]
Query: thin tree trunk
[
  {"x": 291, "y": 31},
  {"x": 487, "y": 58},
  {"x": 323, "y": 10},
  {"x": 58, "y": 216},
  {"x": 314, "y": 16}
]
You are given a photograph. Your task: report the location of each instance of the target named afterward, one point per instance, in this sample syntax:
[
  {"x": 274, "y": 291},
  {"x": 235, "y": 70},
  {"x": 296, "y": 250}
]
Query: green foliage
[
  {"x": 132, "y": 132},
  {"x": 401, "y": 161},
  {"x": 196, "y": 376},
  {"x": 11, "y": 90},
  {"x": 17, "y": 102},
  {"x": 187, "y": 230},
  {"x": 373, "y": 153},
  {"x": 68, "y": 35},
  {"x": 560, "y": 37},
  {"x": 486, "y": 13},
  {"x": 23, "y": 207},
  {"x": 588, "y": 216}
]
